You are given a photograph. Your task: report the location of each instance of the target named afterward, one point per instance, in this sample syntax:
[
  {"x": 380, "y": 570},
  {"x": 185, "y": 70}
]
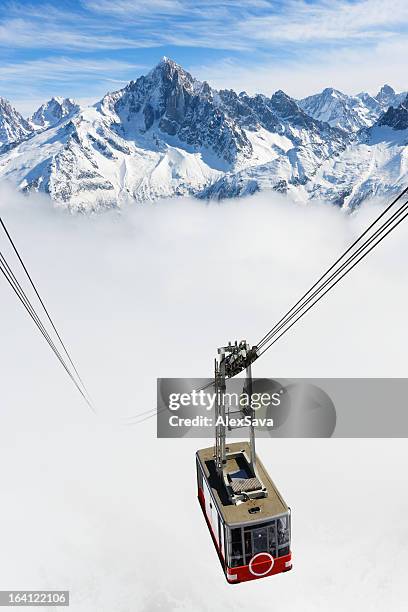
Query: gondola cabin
[{"x": 249, "y": 521}]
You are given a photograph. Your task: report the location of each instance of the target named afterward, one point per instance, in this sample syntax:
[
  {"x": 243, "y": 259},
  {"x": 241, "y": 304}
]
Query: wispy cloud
[
  {"x": 124, "y": 8},
  {"x": 63, "y": 68},
  {"x": 87, "y": 79},
  {"x": 258, "y": 45},
  {"x": 255, "y": 24},
  {"x": 50, "y": 34},
  {"x": 266, "y": 23},
  {"x": 328, "y": 21}
]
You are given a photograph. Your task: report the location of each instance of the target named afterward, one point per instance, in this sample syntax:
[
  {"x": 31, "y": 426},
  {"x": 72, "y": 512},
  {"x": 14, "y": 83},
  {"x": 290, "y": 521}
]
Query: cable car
[
  {"x": 249, "y": 521},
  {"x": 252, "y": 536}
]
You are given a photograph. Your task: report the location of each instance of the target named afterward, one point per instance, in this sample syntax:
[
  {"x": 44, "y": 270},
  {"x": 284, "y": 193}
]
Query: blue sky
[{"x": 84, "y": 48}]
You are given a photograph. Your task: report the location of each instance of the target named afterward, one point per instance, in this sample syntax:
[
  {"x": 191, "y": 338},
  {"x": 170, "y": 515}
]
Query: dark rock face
[
  {"x": 289, "y": 110},
  {"x": 178, "y": 105},
  {"x": 397, "y": 118},
  {"x": 276, "y": 114},
  {"x": 250, "y": 112}
]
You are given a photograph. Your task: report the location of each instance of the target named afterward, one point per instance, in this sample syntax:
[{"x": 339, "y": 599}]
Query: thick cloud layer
[{"x": 103, "y": 508}]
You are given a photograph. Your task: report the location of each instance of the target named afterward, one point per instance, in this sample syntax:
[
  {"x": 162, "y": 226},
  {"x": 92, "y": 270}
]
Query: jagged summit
[
  {"x": 385, "y": 92},
  {"x": 167, "y": 61},
  {"x": 13, "y": 127},
  {"x": 387, "y": 97},
  {"x": 284, "y": 104},
  {"x": 53, "y": 111},
  {"x": 331, "y": 91},
  {"x": 168, "y": 68}
]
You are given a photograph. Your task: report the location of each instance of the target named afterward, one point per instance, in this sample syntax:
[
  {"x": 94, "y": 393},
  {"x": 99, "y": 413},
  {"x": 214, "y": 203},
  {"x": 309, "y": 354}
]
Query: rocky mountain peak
[
  {"x": 350, "y": 113},
  {"x": 334, "y": 93},
  {"x": 387, "y": 97},
  {"x": 52, "y": 112},
  {"x": 385, "y": 91},
  {"x": 287, "y": 109},
  {"x": 281, "y": 101},
  {"x": 13, "y": 126}
]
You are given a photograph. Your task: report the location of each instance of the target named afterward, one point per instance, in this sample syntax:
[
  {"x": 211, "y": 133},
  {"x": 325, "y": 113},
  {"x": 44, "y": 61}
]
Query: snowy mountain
[
  {"x": 13, "y": 127},
  {"x": 350, "y": 113},
  {"x": 376, "y": 164},
  {"x": 168, "y": 134},
  {"x": 52, "y": 112}
]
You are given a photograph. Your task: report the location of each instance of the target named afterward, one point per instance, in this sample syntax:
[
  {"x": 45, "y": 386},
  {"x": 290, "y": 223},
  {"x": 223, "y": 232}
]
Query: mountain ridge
[{"x": 168, "y": 134}]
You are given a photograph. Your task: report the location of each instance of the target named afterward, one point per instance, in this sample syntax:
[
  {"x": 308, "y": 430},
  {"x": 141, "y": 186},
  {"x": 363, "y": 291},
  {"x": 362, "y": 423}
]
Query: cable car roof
[{"x": 251, "y": 511}]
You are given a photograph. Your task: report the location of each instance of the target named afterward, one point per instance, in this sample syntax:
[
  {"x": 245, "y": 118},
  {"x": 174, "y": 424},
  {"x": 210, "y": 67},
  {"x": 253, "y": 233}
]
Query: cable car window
[
  {"x": 260, "y": 540},
  {"x": 248, "y": 545},
  {"x": 283, "y": 551},
  {"x": 236, "y": 548},
  {"x": 283, "y": 530},
  {"x": 272, "y": 539}
]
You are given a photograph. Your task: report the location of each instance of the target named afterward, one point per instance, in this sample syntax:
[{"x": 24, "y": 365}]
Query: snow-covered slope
[
  {"x": 350, "y": 113},
  {"x": 168, "y": 134},
  {"x": 13, "y": 126},
  {"x": 339, "y": 110},
  {"x": 375, "y": 165},
  {"x": 300, "y": 145},
  {"x": 52, "y": 112}
]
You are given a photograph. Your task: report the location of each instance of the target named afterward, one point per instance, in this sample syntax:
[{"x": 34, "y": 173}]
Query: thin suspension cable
[
  {"x": 11, "y": 279},
  {"x": 42, "y": 303},
  {"x": 153, "y": 411},
  {"x": 352, "y": 257},
  {"x": 43, "y": 331},
  {"x": 23, "y": 297},
  {"x": 334, "y": 284},
  {"x": 266, "y": 336},
  {"x": 149, "y": 416},
  {"x": 139, "y": 414},
  {"x": 15, "y": 285}
]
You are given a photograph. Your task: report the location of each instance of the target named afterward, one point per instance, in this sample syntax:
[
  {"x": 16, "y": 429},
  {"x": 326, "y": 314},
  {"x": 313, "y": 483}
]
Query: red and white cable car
[
  {"x": 252, "y": 537},
  {"x": 248, "y": 519}
]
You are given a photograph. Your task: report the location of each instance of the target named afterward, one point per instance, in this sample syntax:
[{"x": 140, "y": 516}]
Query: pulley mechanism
[{"x": 237, "y": 357}]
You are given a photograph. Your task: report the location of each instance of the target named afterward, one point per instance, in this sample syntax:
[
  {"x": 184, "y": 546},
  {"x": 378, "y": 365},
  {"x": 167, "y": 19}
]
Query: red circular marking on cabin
[{"x": 264, "y": 563}]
